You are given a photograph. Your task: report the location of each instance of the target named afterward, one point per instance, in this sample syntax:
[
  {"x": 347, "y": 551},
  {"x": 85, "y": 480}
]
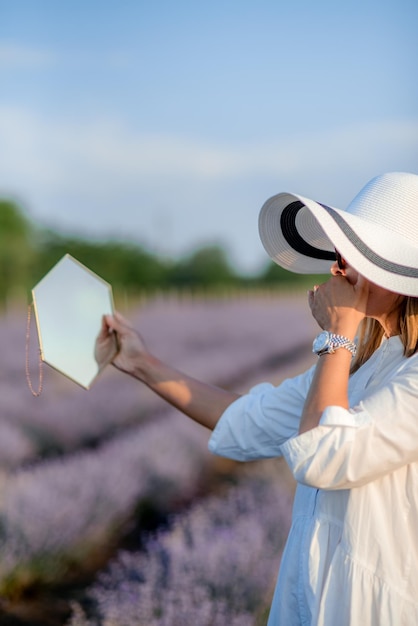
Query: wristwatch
[{"x": 328, "y": 343}]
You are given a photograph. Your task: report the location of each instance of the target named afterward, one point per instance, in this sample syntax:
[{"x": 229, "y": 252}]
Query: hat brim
[{"x": 301, "y": 235}]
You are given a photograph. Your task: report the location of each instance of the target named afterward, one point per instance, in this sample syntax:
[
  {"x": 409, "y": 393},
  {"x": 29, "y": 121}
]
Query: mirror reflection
[{"x": 69, "y": 303}]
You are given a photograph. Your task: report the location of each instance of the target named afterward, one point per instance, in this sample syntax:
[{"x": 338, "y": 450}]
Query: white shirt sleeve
[
  {"x": 350, "y": 448},
  {"x": 255, "y": 425}
]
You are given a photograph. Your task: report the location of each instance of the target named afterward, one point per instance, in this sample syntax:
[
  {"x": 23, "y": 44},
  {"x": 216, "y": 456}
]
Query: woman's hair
[{"x": 371, "y": 333}]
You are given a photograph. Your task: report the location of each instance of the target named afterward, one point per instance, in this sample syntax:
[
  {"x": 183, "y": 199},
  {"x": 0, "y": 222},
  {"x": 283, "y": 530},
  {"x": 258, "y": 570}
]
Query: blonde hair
[{"x": 371, "y": 333}]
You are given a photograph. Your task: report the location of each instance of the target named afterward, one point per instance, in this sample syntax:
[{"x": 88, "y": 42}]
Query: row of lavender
[
  {"x": 216, "y": 565},
  {"x": 55, "y": 513},
  {"x": 219, "y": 341},
  {"x": 58, "y": 513}
]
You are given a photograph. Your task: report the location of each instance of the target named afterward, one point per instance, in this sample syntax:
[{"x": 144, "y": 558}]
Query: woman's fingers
[
  {"x": 338, "y": 304},
  {"x": 116, "y": 322}
]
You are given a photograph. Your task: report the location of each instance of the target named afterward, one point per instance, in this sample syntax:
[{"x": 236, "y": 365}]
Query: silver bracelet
[{"x": 328, "y": 343}]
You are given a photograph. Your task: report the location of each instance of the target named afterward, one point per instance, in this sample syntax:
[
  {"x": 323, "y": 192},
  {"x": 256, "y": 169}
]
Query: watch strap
[
  {"x": 339, "y": 341},
  {"x": 333, "y": 342}
]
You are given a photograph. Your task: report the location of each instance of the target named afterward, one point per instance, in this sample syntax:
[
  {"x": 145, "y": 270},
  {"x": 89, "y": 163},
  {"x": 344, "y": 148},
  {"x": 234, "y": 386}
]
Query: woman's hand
[
  {"x": 131, "y": 351},
  {"x": 105, "y": 347},
  {"x": 339, "y": 305}
]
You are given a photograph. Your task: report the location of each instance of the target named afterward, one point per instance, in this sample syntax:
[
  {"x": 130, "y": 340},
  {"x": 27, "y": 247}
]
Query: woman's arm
[
  {"x": 201, "y": 402},
  {"x": 329, "y": 387},
  {"x": 338, "y": 306},
  {"x": 353, "y": 447}
]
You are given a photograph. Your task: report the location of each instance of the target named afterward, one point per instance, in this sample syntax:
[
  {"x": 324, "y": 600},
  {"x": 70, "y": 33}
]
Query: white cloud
[
  {"x": 108, "y": 177},
  {"x": 48, "y": 149}
]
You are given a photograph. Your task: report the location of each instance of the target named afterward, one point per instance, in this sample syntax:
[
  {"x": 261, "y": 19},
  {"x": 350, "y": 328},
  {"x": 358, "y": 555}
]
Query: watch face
[{"x": 321, "y": 341}]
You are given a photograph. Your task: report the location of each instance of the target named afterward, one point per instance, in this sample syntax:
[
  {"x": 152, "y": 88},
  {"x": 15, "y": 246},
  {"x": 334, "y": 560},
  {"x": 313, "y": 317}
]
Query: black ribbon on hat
[{"x": 295, "y": 240}]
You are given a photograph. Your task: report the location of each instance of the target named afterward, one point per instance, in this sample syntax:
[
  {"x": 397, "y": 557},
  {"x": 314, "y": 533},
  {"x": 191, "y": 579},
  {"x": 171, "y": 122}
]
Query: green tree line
[{"x": 27, "y": 252}]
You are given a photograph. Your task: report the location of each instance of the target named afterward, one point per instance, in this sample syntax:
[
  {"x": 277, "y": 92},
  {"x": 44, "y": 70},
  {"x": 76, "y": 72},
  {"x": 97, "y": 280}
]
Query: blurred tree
[
  {"x": 122, "y": 264},
  {"x": 127, "y": 265},
  {"x": 207, "y": 266},
  {"x": 27, "y": 253},
  {"x": 16, "y": 250},
  {"x": 274, "y": 275}
]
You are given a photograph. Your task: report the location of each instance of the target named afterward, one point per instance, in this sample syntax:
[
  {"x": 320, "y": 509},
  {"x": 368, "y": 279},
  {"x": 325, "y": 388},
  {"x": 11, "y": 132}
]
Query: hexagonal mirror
[{"x": 69, "y": 303}]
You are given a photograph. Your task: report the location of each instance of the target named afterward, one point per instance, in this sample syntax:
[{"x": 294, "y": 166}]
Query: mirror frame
[{"x": 66, "y": 332}]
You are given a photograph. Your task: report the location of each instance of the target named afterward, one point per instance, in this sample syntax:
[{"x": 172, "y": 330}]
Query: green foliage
[
  {"x": 208, "y": 266},
  {"x": 27, "y": 253},
  {"x": 119, "y": 263},
  {"x": 16, "y": 251},
  {"x": 274, "y": 275}
]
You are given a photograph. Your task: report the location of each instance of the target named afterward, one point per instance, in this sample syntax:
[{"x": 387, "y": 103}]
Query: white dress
[{"x": 351, "y": 558}]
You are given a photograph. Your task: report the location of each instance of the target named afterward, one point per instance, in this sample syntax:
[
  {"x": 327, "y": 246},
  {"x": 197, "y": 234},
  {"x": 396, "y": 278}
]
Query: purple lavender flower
[{"x": 215, "y": 566}]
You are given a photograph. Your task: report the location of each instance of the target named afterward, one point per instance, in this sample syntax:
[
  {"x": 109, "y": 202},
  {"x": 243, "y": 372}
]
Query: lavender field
[{"x": 82, "y": 472}]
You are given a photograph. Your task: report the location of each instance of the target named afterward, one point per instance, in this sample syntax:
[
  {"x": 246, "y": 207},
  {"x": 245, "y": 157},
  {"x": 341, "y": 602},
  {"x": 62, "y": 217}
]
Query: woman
[{"x": 348, "y": 427}]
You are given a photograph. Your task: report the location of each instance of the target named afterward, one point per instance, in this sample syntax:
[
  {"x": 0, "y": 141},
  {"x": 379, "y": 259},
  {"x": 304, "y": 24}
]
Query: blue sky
[{"x": 170, "y": 123}]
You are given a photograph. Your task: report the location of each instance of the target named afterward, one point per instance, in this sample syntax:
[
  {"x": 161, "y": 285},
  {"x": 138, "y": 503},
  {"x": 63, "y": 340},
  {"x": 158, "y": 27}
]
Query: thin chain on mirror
[{"x": 41, "y": 373}]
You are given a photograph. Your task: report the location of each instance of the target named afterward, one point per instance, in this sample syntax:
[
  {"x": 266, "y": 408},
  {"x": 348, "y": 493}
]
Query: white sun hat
[{"x": 377, "y": 234}]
